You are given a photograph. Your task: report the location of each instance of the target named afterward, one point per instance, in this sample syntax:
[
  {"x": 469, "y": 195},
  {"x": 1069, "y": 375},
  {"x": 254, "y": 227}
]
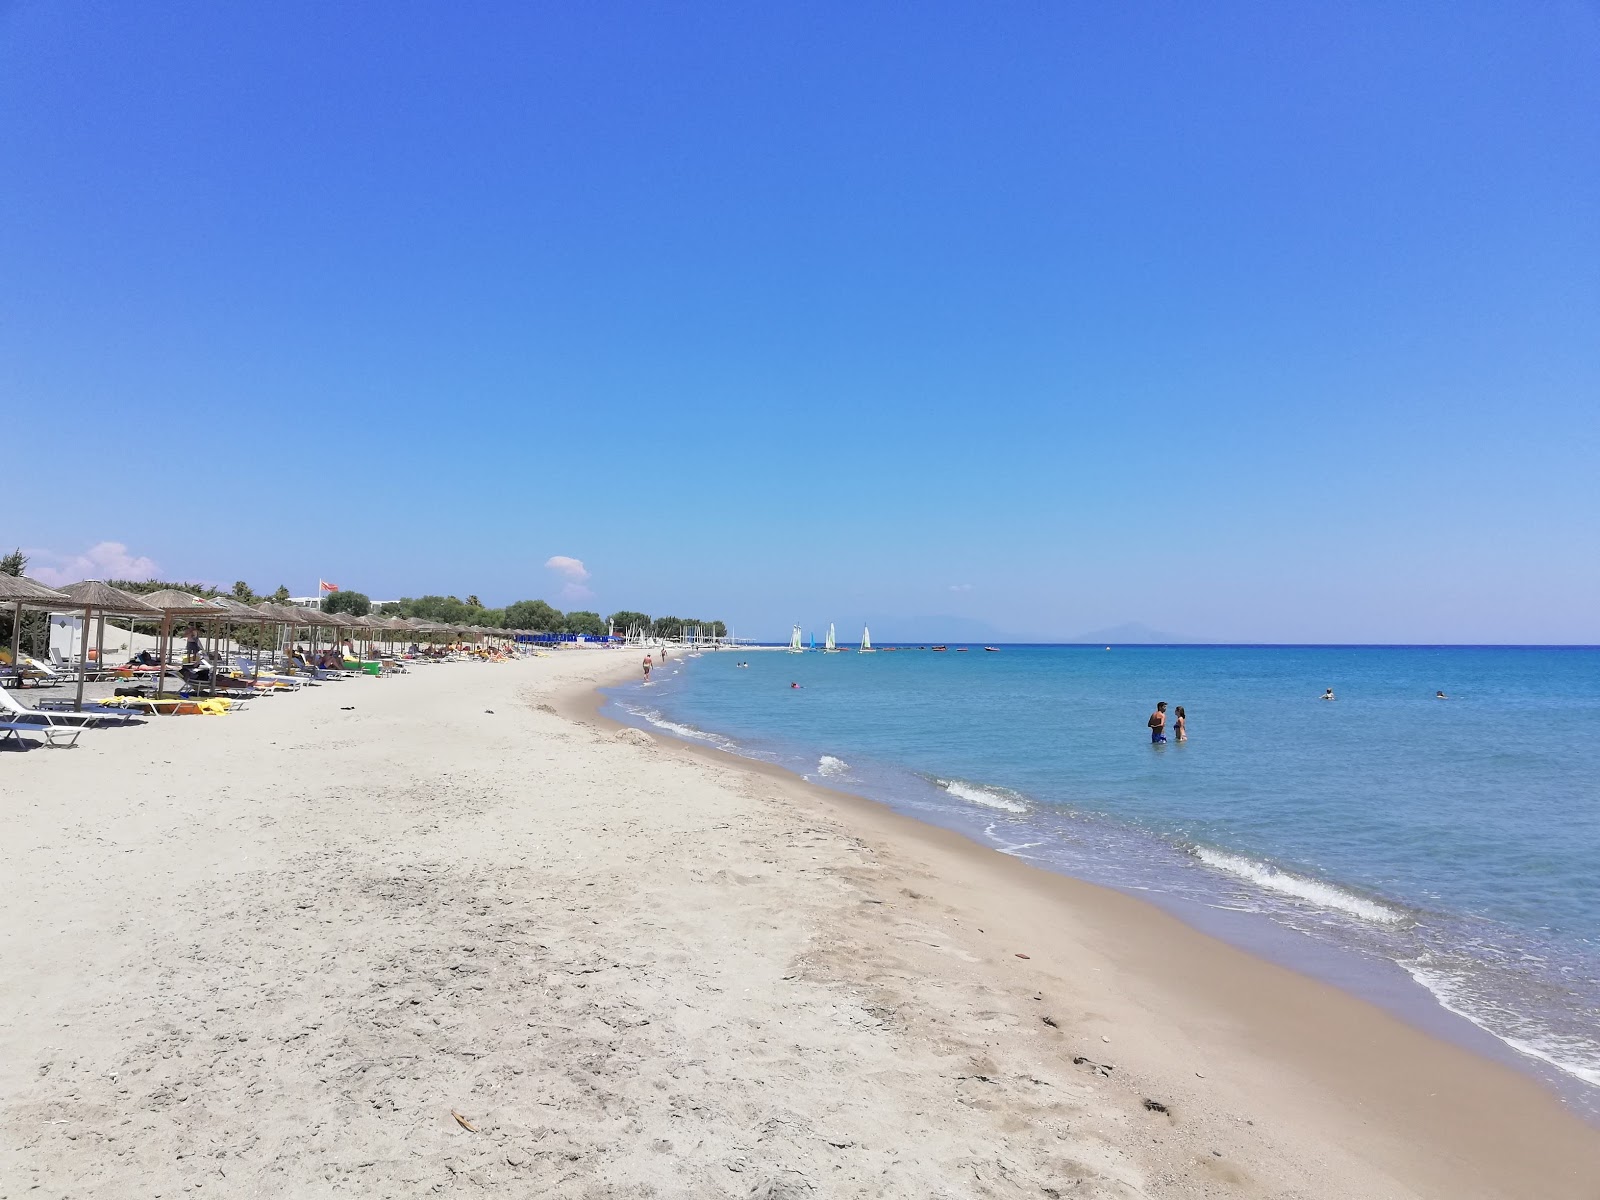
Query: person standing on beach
[
  {"x": 1179, "y": 732},
  {"x": 647, "y": 668},
  {"x": 1158, "y": 724}
]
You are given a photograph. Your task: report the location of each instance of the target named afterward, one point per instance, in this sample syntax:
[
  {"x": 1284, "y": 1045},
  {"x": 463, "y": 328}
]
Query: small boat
[
  {"x": 961, "y": 649},
  {"x": 830, "y": 646},
  {"x": 992, "y": 649},
  {"x": 866, "y": 641},
  {"x": 941, "y": 647},
  {"x": 794, "y": 642}
]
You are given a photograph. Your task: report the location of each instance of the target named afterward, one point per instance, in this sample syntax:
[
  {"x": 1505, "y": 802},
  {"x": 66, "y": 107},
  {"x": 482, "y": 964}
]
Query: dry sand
[{"x": 272, "y": 954}]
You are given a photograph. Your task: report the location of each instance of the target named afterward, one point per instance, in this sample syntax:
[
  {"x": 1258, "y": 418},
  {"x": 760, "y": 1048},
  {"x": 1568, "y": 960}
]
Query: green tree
[
  {"x": 281, "y": 596},
  {"x": 392, "y": 609},
  {"x": 667, "y": 627},
  {"x": 714, "y": 629},
  {"x": 354, "y": 603},
  {"x": 474, "y": 602},
  {"x": 532, "y": 614},
  {"x": 625, "y": 620},
  {"x": 34, "y": 624},
  {"x": 242, "y": 591},
  {"x": 587, "y": 624}
]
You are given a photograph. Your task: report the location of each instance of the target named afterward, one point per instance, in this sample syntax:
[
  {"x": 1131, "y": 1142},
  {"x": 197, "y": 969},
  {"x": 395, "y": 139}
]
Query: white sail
[
  {"x": 829, "y": 646},
  {"x": 794, "y": 642},
  {"x": 866, "y": 641}
]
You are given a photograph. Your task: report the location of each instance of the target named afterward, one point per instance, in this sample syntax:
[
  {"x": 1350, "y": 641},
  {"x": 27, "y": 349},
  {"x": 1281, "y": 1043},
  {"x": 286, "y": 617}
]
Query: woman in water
[{"x": 1179, "y": 729}]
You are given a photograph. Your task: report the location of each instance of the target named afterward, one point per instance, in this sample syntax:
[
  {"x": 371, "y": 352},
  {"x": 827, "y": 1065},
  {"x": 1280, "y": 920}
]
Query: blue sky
[{"x": 1250, "y": 321}]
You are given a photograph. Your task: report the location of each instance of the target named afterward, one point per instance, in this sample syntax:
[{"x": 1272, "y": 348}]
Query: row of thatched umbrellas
[{"x": 169, "y": 607}]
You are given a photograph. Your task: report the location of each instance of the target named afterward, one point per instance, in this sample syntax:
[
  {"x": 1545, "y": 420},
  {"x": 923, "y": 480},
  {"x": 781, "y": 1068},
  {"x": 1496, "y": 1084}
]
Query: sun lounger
[
  {"x": 53, "y": 735},
  {"x": 11, "y": 709}
]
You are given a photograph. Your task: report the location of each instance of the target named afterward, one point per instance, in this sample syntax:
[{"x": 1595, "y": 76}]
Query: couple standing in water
[{"x": 1158, "y": 725}]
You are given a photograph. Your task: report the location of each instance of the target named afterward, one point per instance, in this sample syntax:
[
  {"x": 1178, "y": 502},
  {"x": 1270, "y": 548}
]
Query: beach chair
[
  {"x": 53, "y": 735},
  {"x": 12, "y": 709},
  {"x": 248, "y": 670}
]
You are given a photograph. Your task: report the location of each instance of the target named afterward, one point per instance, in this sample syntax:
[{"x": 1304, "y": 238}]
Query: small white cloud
[
  {"x": 960, "y": 587},
  {"x": 103, "y": 560},
  {"x": 571, "y": 568}
]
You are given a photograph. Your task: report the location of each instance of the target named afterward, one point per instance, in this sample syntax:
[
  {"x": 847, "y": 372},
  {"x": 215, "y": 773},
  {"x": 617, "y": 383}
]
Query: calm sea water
[{"x": 1458, "y": 839}]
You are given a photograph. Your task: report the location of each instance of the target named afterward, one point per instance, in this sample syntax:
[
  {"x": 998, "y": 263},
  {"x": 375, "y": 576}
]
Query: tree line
[{"x": 537, "y": 615}]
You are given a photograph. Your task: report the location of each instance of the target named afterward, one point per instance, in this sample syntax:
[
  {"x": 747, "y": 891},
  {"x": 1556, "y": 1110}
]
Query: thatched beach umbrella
[
  {"x": 282, "y": 615},
  {"x": 174, "y": 604},
  {"x": 237, "y": 612},
  {"x": 94, "y": 596},
  {"x": 22, "y": 592}
]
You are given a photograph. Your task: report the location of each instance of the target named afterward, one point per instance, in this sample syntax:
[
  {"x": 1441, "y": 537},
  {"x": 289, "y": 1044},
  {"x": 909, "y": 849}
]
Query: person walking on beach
[
  {"x": 647, "y": 668},
  {"x": 1179, "y": 732},
  {"x": 1158, "y": 724}
]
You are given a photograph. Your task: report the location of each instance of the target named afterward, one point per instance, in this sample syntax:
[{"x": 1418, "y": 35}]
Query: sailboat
[
  {"x": 794, "y": 642},
  {"x": 866, "y": 641},
  {"x": 830, "y": 646}
]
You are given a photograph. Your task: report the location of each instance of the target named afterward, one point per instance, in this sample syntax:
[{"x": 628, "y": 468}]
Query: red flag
[{"x": 326, "y": 586}]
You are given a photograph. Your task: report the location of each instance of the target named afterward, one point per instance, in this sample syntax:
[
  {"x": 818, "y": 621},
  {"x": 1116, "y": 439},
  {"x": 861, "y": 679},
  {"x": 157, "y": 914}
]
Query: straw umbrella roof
[
  {"x": 179, "y": 604},
  {"x": 102, "y": 597},
  {"x": 19, "y": 587},
  {"x": 237, "y": 610}
]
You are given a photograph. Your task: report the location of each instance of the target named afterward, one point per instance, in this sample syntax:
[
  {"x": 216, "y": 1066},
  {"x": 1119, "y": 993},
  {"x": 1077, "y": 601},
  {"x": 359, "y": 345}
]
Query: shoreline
[
  {"x": 1372, "y": 1067},
  {"x": 1333, "y": 931}
]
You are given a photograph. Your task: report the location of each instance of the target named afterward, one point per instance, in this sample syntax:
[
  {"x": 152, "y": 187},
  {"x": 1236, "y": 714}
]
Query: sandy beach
[{"x": 454, "y": 933}]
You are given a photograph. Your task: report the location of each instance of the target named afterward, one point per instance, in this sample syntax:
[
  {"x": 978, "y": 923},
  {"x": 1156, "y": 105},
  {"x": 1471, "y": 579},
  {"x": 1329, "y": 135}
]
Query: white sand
[{"x": 269, "y": 954}]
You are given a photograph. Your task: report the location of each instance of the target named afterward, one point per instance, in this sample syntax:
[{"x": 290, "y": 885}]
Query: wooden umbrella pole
[
  {"x": 83, "y": 655},
  {"x": 165, "y": 645}
]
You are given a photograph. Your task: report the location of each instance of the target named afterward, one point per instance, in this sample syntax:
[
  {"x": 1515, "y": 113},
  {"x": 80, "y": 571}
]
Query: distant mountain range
[
  {"x": 1132, "y": 633},
  {"x": 886, "y": 629}
]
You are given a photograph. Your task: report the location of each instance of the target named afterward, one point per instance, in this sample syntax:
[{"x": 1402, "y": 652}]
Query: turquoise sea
[{"x": 1426, "y": 852}]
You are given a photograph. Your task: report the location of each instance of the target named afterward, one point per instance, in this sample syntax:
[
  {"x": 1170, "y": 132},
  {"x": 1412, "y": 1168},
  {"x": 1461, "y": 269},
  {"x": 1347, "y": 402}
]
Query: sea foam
[
  {"x": 1578, "y": 1057},
  {"x": 1313, "y": 891},
  {"x": 990, "y": 797},
  {"x": 829, "y": 765}
]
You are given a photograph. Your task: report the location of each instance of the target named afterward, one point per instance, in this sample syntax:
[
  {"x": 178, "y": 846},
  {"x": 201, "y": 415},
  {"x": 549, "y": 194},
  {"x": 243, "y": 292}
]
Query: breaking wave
[
  {"x": 1299, "y": 887},
  {"x": 990, "y": 797}
]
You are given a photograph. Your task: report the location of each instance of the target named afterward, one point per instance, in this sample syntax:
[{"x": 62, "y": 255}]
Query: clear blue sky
[{"x": 1253, "y": 321}]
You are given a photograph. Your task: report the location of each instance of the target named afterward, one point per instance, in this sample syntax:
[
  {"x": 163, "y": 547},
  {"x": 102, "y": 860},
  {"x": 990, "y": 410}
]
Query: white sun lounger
[
  {"x": 53, "y": 735},
  {"x": 11, "y": 709}
]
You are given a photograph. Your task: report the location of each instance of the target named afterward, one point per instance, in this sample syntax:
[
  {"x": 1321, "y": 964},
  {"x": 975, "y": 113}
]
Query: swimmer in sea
[
  {"x": 1158, "y": 724},
  {"x": 794, "y": 685},
  {"x": 1440, "y": 696},
  {"x": 1328, "y": 695}
]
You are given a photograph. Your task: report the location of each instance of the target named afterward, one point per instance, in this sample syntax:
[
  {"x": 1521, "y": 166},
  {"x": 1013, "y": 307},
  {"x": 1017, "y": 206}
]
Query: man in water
[
  {"x": 1440, "y": 696},
  {"x": 1327, "y": 695},
  {"x": 1158, "y": 724},
  {"x": 647, "y": 668}
]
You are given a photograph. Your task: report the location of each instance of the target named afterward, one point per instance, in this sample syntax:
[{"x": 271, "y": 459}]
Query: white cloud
[
  {"x": 960, "y": 587},
  {"x": 103, "y": 560},
  {"x": 571, "y": 568},
  {"x": 575, "y": 573}
]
